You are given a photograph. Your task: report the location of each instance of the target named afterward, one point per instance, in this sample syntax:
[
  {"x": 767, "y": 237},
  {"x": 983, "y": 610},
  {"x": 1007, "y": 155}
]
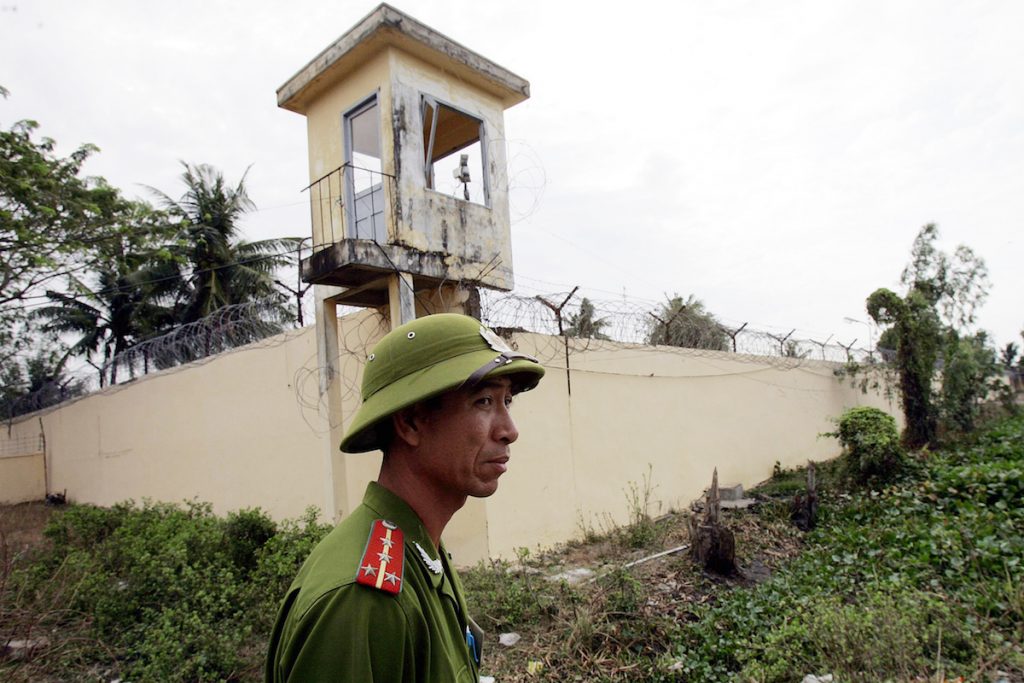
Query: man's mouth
[{"x": 501, "y": 463}]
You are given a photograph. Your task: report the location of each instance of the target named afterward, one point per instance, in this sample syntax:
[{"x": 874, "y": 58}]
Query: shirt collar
[{"x": 391, "y": 507}]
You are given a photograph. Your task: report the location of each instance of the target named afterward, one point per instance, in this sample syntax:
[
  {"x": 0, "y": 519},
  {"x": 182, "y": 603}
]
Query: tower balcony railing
[{"x": 351, "y": 202}]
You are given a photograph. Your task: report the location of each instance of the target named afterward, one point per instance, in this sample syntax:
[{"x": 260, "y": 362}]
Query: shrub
[
  {"x": 246, "y": 531},
  {"x": 158, "y": 592},
  {"x": 864, "y": 638},
  {"x": 502, "y": 595},
  {"x": 85, "y": 526},
  {"x": 969, "y": 366},
  {"x": 872, "y": 444}
]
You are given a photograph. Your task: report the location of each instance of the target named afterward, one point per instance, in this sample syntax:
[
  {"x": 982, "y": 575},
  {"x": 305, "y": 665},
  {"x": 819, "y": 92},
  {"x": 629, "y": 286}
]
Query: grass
[
  {"x": 21, "y": 526},
  {"x": 920, "y": 579}
]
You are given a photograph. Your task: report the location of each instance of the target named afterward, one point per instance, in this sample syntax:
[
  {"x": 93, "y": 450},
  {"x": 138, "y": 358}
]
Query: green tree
[
  {"x": 942, "y": 294},
  {"x": 129, "y": 302},
  {"x": 888, "y": 339},
  {"x": 53, "y": 223},
  {"x": 955, "y": 285},
  {"x": 1008, "y": 355},
  {"x": 583, "y": 324},
  {"x": 792, "y": 350},
  {"x": 222, "y": 269},
  {"x": 687, "y": 324},
  {"x": 41, "y": 381},
  {"x": 917, "y": 335},
  {"x": 968, "y": 366}
]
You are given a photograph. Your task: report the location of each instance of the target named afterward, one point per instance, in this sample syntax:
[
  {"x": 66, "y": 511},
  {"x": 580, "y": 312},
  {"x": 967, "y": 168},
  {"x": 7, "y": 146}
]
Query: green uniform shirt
[{"x": 331, "y": 628}]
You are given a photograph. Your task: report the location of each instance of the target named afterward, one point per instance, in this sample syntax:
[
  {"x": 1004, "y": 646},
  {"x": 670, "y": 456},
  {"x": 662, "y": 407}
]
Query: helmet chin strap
[
  {"x": 506, "y": 354},
  {"x": 486, "y": 368}
]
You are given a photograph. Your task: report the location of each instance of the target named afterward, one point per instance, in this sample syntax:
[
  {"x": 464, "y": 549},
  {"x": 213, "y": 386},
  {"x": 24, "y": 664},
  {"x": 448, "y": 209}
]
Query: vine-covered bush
[
  {"x": 872, "y": 444},
  {"x": 157, "y": 592}
]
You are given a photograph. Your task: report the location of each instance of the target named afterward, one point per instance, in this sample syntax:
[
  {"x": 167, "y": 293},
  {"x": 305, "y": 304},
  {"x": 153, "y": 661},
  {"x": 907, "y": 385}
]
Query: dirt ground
[
  {"x": 21, "y": 526},
  {"x": 671, "y": 589}
]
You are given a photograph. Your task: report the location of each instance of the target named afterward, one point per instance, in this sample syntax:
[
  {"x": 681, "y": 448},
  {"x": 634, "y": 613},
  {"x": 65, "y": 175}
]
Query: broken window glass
[
  {"x": 365, "y": 177},
  {"x": 453, "y": 142}
]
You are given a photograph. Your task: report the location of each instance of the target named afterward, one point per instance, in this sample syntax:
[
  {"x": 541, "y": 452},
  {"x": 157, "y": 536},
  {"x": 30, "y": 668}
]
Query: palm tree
[
  {"x": 123, "y": 310},
  {"x": 130, "y": 301},
  {"x": 687, "y": 324},
  {"x": 582, "y": 324},
  {"x": 220, "y": 269},
  {"x": 36, "y": 383}
]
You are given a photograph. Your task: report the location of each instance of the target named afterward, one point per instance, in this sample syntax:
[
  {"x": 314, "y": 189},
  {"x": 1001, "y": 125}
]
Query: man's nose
[{"x": 505, "y": 428}]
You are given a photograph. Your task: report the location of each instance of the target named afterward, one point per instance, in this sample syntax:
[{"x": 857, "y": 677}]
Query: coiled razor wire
[
  {"x": 622, "y": 321},
  {"x": 632, "y": 322},
  {"x": 224, "y": 329}
]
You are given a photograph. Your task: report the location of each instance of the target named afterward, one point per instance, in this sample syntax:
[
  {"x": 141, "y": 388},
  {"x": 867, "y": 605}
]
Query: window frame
[
  {"x": 348, "y": 153},
  {"x": 428, "y": 170}
]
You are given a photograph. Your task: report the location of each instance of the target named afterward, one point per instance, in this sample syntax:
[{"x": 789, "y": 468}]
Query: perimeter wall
[{"x": 246, "y": 428}]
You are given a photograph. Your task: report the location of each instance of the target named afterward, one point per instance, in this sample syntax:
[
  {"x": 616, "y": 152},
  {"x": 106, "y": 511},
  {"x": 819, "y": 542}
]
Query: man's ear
[{"x": 407, "y": 424}]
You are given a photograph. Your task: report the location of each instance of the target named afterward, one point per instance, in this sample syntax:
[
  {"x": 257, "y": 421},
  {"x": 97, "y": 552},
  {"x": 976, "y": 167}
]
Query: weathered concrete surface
[{"x": 384, "y": 26}]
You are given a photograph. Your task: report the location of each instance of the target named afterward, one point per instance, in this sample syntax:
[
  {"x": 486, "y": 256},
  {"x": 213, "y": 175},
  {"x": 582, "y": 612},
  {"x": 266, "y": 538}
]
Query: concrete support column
[
  {"x": 328, "y": 358},
  {"x": 401, "y": 299}
]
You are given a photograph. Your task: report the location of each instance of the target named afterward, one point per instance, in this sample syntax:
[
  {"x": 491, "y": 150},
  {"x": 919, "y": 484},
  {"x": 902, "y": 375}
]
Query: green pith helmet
[{"x": 427, "y": 357}]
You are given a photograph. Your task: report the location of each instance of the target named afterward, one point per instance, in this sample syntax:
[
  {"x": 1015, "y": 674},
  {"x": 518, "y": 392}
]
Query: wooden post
[
  {"x": 712, "y": 544},
  {"x": 805, "y": 509}
]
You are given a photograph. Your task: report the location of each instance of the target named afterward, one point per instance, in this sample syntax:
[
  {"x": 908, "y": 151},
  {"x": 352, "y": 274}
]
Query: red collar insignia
[{"x": 383, "y": 559}]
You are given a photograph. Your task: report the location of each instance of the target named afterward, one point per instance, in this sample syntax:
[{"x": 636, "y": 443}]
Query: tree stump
[
  {"x": 804, "y": 513},
  {"x": 712, "y": 544}
]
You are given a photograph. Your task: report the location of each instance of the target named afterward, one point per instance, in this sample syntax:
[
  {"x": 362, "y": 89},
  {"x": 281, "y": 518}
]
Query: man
[{"x": 378, "y": 600}]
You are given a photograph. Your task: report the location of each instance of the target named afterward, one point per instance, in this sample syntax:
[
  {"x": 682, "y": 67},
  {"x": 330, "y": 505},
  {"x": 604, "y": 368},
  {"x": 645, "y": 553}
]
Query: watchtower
[{"x": 408, "y": 191}]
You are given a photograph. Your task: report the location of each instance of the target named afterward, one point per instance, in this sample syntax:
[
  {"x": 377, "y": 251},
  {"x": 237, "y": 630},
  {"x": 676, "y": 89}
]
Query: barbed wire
[
  {"x": 624, "y": 321},
  {"x": 635, "y": 322},
  {"x": 358, "y": 331},
  {"x": 225, "y": 329}
]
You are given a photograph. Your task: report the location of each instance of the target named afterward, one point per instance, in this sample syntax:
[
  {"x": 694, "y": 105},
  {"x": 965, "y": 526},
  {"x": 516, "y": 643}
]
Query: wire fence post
[
  {"x": 823, "y": 344},
  {"x": 733, "y": 335},
  {"x": 849, "y": 356},
  {"x": 782, "y": 341},
  {"x": 557, "y": 310}
]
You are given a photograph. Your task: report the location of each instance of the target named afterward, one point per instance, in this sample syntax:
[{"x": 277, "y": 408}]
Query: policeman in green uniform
[{"x": 378, "y": 600}]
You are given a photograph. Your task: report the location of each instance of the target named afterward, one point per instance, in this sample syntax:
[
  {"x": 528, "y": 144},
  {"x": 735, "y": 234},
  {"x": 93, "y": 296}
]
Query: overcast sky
[{"x": 774, "y": 158}]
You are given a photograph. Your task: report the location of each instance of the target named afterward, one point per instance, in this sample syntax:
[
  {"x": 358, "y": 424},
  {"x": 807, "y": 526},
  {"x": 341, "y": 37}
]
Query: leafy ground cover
[
  {"x": 151, "y": 593},
  {"x": 919, "y": 580}
]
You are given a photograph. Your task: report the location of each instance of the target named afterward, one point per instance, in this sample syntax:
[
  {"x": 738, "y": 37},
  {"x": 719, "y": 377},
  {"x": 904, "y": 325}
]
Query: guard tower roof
[{"x": 386, "y": 26}]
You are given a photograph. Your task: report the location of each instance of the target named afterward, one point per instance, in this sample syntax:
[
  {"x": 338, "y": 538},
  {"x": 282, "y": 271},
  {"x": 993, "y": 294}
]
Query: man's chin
[{"x": 486, "y": 491}]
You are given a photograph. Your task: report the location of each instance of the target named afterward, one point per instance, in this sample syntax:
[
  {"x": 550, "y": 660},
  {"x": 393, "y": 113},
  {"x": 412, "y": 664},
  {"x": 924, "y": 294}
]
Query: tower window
[
  {"x": 453, "y": 141},
  {"x": 364, "y": 177}
]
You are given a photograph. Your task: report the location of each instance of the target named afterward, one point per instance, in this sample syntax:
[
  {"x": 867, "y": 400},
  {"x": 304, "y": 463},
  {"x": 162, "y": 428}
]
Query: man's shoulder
[
  {"x": 336, "y": 563},
  {"x": 334, "y": 560}
]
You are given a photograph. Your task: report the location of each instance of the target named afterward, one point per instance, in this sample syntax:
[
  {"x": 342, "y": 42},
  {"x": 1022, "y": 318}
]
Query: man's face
[{"x": 464, "y": 441}]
